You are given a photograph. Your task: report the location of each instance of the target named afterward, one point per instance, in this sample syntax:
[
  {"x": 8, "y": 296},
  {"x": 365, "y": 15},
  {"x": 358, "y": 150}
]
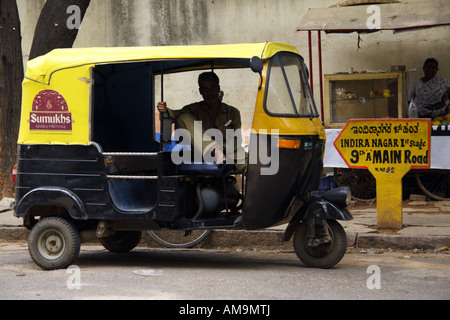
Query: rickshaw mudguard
[
  {"x": 54, "y": 196},
  {"x": 318, "y": 208},
  {"x": 321, "y": 208}
]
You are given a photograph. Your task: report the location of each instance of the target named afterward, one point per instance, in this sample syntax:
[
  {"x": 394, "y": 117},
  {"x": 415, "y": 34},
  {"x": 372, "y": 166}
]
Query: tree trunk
[
  {"x": 11, "y": 76},
  {"x": 55, "y": 29},
  {"x": 52, "y": 30}
]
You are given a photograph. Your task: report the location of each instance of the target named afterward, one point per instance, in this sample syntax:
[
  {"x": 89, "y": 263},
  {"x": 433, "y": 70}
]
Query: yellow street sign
[{"x": 388, "y": 148}]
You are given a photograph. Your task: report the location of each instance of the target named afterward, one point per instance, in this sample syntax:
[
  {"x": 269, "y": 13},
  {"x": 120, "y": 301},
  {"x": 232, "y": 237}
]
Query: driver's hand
[
  {"x": 162, "y": 106},
  {"x": 219, "y": 155}
]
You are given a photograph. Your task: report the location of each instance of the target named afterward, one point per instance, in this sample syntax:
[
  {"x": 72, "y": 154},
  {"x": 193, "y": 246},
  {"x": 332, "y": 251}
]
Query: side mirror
[{"x": 256, "y": 64}]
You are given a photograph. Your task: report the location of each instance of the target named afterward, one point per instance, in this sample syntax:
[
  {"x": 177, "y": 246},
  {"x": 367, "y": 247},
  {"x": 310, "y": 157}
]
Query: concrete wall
[{"x": 176, "y": 22}]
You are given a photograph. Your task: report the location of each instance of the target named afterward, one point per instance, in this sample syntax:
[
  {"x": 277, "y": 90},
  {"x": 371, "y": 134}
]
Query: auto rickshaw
[{"x": 90, "y": 163}]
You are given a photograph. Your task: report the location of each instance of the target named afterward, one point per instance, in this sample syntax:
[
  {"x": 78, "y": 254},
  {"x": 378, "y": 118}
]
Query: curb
[
  {"x": 13, "y": 234},
  {"x": 272, "y": 240},
  {"x": 401, "y": 242}
]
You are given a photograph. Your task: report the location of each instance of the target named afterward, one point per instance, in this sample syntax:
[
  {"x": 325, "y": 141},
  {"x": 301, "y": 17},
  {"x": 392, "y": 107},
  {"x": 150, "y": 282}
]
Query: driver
[{"x": 213, "y": 114}]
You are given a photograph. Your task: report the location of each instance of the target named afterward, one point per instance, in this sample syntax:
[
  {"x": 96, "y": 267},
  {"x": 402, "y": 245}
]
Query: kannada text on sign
[{"x": 385, "y": 144}]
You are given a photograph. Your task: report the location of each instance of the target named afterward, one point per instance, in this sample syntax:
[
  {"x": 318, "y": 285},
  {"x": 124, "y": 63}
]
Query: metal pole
[
  {"x": 311, "y": 84},
  {"x": 319, "y": 44}
]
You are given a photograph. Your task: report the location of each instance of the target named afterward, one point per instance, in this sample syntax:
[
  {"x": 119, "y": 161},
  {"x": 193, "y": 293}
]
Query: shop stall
[{"x": 371, "y": 95}]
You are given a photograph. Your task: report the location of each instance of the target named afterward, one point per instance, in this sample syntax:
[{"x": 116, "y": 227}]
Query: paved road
[{"x": 224, "y": 275}]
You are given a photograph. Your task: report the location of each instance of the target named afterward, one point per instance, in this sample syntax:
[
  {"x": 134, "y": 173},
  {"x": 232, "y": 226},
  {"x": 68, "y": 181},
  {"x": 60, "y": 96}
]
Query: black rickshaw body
[{"x": 88, "y": 151}]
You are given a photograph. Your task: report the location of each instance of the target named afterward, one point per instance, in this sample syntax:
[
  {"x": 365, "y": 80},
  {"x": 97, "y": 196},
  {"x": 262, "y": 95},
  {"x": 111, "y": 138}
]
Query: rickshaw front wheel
[
  {"x": 54, "y": 243},
  {"x": 325, "y": 255},
  {"x": 121, "y": 241}
]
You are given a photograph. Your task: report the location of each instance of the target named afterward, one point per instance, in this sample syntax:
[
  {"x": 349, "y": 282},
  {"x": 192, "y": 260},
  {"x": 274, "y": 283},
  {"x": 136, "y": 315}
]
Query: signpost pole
[{"x": 389, "y": 199}]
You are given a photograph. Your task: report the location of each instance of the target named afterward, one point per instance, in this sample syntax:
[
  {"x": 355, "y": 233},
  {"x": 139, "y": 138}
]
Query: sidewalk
[{"x": 426, "y": 226}]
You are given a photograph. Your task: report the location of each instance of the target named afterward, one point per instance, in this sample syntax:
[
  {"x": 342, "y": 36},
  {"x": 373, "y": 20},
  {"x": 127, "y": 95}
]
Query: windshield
[{"x": 287, "y": 92}]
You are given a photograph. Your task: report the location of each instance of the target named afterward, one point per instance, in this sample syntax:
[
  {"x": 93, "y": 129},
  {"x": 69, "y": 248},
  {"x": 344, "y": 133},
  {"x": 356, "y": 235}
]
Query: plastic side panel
[
  {"x": 268, "y": 196},
  {"x": 78, "y": 169}
]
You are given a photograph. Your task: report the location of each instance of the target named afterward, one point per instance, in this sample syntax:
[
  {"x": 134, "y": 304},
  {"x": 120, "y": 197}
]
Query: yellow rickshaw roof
[{"x": 41, "y": 68}]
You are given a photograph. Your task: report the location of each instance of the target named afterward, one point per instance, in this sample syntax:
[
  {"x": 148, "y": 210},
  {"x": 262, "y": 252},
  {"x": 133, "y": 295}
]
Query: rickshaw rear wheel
[
  {"x": 179, "y": 239},
  {"x": 121, "y": 241},
  {"x": 325, "y": 255},
  {"x": 54, "y": 243}
]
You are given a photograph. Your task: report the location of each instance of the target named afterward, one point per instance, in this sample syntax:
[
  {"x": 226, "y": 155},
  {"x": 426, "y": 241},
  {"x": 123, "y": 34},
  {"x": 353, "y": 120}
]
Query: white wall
[{"x": 174, "y": 22}]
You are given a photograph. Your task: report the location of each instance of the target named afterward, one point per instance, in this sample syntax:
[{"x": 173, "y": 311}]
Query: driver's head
[
  {"x": 209, "y": 86},
  {"x": 208, "y": 76}
]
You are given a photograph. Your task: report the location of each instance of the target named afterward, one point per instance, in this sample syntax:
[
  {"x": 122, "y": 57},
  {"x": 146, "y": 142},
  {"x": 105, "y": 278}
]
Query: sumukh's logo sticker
[{"x": 50, "y": 112}]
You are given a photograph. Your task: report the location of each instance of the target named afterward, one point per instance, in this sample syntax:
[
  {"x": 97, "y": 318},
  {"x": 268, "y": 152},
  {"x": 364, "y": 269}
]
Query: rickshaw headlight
[
  {"x": 349, "y": 198},
  {"x": 341, "y": 196}
]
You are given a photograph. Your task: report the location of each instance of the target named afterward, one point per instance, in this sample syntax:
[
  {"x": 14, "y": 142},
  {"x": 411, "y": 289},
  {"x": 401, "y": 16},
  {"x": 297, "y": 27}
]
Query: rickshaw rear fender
[
  {"x": 53, "y": 196},
  {"x": 318, "y": 208}
]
